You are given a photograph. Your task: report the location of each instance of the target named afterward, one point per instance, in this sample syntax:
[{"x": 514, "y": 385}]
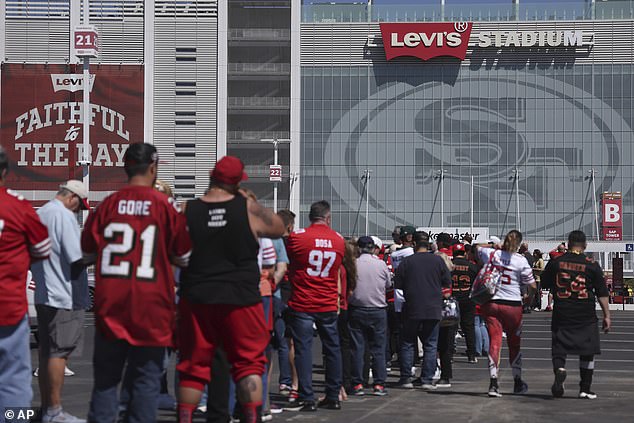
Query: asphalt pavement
[{"x": 466, "y": 400}]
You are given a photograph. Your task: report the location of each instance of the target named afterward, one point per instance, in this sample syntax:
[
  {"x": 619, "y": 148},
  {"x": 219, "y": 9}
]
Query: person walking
[
  {"x": 504, "y": 312},
  {"x": 538, "y": 268},
  {"x": 134, "y": 236},
  {"x": 368, "y": 317},
  {"x": 463, "y": 274},
  {"x": 576, "y": 281},
  {"x": 61, "y": 297},
  {"x": 23, "y": 240},
  {"x": 422, "y": 278},
  {"x": 220, "y": 302},
  {"x": 316, "y": 255}
]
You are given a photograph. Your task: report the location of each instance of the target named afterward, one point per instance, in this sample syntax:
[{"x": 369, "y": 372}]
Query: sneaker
[
  {"x": 276, "y": 409},
  {"x": 405, "y": 383},
  {"x": 587, "y": 394},
  {"x": 429, "y": 387},
  {"x": 418, "y": 382},
  {"x": 36, "y": 372},
  {"x": 472, "y": 360},
  {"x": 68, "y": 372},
  {"x": 558, "y": 386},
  {"x": 494, "y": 389},
  {"x": 61, "y": 417},
  {"x": 202, "y": 409},
  {"x": 358, "y": 390},
  {"x": 293, "y": 396},
  {"x": 302, "y": 406},
  {"x": 285, "y": 390},
  {"x": 267, "y": 416},
  {"x": 520, "y": 387},
  {"x": 437, "y": 373},
  {"x": 443, "y": 383},
  {"x": 379, "y": 391}
]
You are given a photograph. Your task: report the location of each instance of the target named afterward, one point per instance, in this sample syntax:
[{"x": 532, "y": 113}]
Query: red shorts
[{"x": 239, "y": 330}]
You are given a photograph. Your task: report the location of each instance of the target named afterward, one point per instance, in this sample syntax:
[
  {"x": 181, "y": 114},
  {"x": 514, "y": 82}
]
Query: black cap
[
  {"x": 140, "y": 154},
  {"x": 365, "y": 242},
  {"x": 407, "y": 230}
]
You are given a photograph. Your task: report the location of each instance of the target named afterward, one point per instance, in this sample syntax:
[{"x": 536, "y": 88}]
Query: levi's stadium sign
[
  {"x": 426, "y": 40},
  {"x": 429, "y": 40}
]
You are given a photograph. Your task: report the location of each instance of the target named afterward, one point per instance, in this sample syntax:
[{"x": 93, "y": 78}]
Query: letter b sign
[{"x": 612, "y": 211}]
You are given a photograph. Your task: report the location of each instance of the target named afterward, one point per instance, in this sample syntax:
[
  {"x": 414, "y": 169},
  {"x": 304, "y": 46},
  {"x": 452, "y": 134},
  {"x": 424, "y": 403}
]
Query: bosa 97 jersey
[
  {"x": 315, "y": 256},
  {"x": 135, "y": 235}
]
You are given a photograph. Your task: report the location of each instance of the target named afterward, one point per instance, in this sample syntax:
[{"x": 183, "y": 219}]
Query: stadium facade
[{"x": 503, "y": 109}]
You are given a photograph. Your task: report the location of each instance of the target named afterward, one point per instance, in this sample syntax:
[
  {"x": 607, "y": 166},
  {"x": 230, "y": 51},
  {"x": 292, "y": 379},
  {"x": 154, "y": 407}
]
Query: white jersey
[
  {"x": 266, "y": 255},
  {"x": 515, "y": 272},
  {"x": 397, "y": 257}
]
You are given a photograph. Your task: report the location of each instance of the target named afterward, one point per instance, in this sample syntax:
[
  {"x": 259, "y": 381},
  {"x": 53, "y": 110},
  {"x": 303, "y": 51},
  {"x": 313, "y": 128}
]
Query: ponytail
[{"x": 512, "y": 241}]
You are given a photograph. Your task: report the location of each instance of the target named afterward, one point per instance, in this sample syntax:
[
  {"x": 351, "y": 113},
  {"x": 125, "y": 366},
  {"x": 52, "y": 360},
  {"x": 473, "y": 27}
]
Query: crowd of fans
[{"x": 253, "y": 292}]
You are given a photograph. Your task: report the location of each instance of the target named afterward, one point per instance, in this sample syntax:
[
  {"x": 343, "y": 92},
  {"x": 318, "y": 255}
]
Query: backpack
[{"x": 486, "y": 283}]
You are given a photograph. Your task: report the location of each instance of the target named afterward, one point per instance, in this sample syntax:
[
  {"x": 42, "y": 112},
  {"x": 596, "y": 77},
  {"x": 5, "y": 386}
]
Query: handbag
[
  {"x": 486, "y": 283},
  {"x": 450, "y": 313}
]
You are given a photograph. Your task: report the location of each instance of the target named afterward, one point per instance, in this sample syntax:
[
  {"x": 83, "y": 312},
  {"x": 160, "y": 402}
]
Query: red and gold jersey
[
  {"x": 22, "y": 237},
  {"x": 315, "y": 256},
  {"x": 136, "y": 235}
]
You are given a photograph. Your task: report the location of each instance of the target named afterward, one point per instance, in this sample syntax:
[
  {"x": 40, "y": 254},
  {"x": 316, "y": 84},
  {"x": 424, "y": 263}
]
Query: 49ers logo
[{"x": 426, "y": 40}]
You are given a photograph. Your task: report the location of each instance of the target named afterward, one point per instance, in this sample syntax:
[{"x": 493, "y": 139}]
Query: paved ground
[{"x": 466, "y": 401}]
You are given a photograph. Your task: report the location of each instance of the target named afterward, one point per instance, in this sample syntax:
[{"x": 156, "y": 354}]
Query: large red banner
[
  {"x": 42, "y": 123},
  {"x": 612, "y": 206},
  {"x": 426, "y": 40}
]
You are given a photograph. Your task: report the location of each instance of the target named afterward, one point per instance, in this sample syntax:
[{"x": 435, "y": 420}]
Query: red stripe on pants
[{"x": 507, "y": 318}]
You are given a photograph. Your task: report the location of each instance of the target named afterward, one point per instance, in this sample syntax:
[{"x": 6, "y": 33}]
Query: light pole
[
  {"x": 592, "y": 173},
  {"x": 276, "y": 178},
  {"x": 517, "y": 172},
  {"x": 441, "y": 176},
  {"x": 366, "y": 178}
]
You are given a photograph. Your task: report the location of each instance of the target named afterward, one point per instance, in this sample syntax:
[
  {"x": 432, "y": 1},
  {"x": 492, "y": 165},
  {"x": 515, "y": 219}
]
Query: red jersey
[
  {"x": 136, "y": 234},
  {"x": 22, "y": 237},
  {"x": 315, "y": 256}
]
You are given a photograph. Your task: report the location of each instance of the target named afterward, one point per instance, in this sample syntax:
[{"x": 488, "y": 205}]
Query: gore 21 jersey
[{"x": 136, "y": 234}]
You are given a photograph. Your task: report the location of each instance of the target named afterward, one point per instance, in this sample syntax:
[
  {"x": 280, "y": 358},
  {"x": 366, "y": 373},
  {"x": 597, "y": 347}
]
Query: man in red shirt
[
  {"x": 315, "y": 255},
  {"x": 23, "y": 239},
  {"x": 135, "y": 235}
]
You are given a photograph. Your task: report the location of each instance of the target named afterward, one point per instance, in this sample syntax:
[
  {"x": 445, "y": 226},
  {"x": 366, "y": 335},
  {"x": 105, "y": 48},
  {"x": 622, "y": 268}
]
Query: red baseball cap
[
  {"x": 229, "y": 170},
  {"x": 458, "y": 248}
]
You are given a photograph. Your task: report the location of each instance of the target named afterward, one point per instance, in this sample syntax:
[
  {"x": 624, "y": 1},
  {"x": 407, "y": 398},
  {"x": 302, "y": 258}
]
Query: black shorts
[{"x": 577, "y": 340}]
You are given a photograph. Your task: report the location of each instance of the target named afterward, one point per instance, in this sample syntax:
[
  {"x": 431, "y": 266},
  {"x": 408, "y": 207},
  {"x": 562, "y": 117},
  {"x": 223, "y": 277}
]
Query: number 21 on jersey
[
  {"x": 321, "y": 262},
  {"x": 145, "y": 269}
]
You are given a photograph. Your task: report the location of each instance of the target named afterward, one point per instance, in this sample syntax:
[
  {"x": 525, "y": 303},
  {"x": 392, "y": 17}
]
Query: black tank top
[{"x": 223, "y": 268}]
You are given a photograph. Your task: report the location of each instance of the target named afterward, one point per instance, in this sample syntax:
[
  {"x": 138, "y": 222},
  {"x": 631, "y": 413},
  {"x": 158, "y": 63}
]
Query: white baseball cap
[
  {"x": 377, "y": 242},
  {"x": 78, "y": 188}
]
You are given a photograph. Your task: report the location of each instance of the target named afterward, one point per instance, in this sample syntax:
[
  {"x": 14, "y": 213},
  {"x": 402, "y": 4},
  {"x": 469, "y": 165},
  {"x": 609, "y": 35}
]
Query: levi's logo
[
  {"x": 426, "y": 40},
  {"x": 70, "y": 81}
]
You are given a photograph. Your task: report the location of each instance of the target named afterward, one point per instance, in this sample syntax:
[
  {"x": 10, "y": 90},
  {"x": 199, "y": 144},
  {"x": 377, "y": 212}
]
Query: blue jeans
[
  {"x": 145, "y": 366},
  {"x": 15, "y": 366},
  {"x": 281, "y": 342},
  {"x": 427, "y": 331},
  {"x": 301, "y": 325},
  {"x": 481, "y": 336},
  {"x": 368, "y": 324}
]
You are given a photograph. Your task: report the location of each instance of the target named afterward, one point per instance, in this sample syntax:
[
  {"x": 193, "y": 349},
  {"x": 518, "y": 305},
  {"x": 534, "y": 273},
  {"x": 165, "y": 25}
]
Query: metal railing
[
  {"x": 274, "y": 68},
  {"x": 256, "y": 135},
  {"x": 282, "y": 102},
  {"x": 261, "y": 34},
  {"x": 524, "y": 11}
]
